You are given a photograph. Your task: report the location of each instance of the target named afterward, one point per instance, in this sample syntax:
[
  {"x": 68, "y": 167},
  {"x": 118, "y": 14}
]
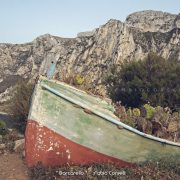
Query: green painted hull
[{"x": 90, "y": 130}]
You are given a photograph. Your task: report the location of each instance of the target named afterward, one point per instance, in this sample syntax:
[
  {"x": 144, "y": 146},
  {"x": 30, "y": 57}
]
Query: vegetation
[
  {"x": 78, "y": 80},
  {"x": 157, "y": 121},
  {"x": 149, "y": 111},
  {"x": 74, "y": 79},
  {"x": 136, "y": 112},
  {"x": 152, "y": 80},
  {"x": 167, "y": 168},
  {"x": 3, "y": 128},
  {"x": 20, "y": 103}
]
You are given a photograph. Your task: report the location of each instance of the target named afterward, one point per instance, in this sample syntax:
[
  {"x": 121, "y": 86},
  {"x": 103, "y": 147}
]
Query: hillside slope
[{"x": 92, "y": 53}]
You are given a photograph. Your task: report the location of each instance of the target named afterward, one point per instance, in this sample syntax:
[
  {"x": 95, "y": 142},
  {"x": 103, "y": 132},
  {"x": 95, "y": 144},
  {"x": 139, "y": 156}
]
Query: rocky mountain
[{"x": 92, "y": 53}]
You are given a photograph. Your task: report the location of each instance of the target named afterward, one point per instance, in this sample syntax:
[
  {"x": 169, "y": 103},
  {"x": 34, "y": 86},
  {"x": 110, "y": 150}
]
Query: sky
[{"x": 23, "y": 20}]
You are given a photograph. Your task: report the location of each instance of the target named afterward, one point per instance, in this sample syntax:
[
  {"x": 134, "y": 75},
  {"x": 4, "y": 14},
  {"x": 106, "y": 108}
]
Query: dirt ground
[{"x": 12, "y": 167}]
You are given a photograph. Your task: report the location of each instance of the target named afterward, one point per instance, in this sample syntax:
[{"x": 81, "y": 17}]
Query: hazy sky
[{"x": 23, "y": 20}]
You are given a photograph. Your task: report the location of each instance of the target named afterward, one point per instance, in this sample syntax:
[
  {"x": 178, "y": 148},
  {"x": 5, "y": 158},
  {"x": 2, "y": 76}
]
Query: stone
[
  {"x": 2, "y": 146},
  {"x": 19, "y": 145},
  {"x": 10, "y": 130},
  {"x": 20, "y": 136},
  {"x": 10, "y": 145},
  {"x": 86, "y": 34}
]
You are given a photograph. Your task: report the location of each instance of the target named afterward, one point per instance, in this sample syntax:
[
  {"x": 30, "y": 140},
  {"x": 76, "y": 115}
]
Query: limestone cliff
[{"x": 92, "y": 53}]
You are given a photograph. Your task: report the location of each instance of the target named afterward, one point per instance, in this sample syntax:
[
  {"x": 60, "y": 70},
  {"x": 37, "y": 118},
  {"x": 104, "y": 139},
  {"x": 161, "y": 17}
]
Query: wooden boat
[{"x": 68, "y": 126}]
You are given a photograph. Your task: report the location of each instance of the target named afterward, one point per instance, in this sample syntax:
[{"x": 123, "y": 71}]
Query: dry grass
[{"x": 163, "y": 169}]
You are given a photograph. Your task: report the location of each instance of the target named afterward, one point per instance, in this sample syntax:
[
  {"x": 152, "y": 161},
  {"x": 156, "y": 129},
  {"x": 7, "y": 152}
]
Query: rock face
[
  {"x": 92, "y": 53},
  {"x": 154, "y": 21}
]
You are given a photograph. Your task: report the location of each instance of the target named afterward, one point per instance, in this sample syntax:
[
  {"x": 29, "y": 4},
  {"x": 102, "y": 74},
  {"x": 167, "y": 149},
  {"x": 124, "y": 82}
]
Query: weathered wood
[{"x": 88, "y": 132}]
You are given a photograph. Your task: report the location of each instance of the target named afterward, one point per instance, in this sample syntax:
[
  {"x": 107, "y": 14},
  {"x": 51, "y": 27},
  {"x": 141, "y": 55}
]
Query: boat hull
[
  {"x": 51, "y": 149},
  {"x": 59, "y": 131}
]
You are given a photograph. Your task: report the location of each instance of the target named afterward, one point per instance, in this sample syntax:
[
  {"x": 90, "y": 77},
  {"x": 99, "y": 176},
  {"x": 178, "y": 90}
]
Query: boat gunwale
[{"x": 107, "y": 117}]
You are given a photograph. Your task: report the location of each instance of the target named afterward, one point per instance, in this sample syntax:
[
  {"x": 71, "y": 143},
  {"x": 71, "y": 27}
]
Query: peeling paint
[
  {"x": 69, "y": 156},
  {"x": 50, "y": 149}
]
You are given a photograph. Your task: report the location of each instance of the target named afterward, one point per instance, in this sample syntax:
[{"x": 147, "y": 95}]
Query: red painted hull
[{"x": 46, "y": 146}]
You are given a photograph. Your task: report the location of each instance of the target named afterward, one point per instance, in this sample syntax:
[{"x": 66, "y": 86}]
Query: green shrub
[
  {"x": 79, "y": 80},
  {"x": 149, "y": 111},
  {"x": 129, "y": 112},
  {"x": 152, "y": 79},
  {"x": 3, "y": 128},
  {"x": 136, "y": 112},
  {"x": 130, "y": 121},
  {"x": 72, "y": 79}
]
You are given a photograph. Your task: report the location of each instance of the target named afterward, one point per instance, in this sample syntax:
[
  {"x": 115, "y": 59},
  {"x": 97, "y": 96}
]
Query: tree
[{"x": 152, "y": 79}]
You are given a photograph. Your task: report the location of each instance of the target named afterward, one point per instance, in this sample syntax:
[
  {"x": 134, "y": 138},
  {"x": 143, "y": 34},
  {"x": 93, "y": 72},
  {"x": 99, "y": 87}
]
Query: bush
[
  {"x": 20, "y": 103},
  {"x": 154, "y": 80},
  {"x": 72, "y": 79},
  {"x": 149, "y": 111},
  {"x": 79, "y": 80},
  {"x": 130, "y": 121},
  {"x": 136, "y": 112},
  {"x": 3, "y": 128}
]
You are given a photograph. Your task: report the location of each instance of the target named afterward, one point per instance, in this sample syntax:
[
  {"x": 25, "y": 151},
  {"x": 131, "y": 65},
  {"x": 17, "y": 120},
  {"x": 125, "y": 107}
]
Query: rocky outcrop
[
  {"x": 92, "y": 53},
  {"x": 153, "y": 21}
]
